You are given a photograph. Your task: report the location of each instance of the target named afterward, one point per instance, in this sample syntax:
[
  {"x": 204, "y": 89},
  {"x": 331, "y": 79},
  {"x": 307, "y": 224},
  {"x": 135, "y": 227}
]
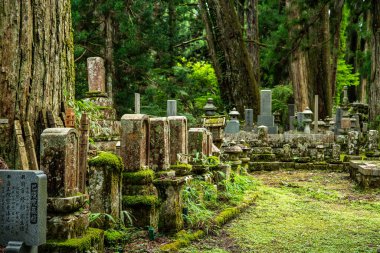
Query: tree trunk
[
  {"x": 336, "y": 19},
  {"x": 367, "y": 45},
  {"x": 374, "y": 103},
  {"x": 109, "y": 45},
  {"x": 36, "y": 67},
  {"x": 298, "y": 62},
  {"x": 319, "y": 63},
  {"x": 230, "y": 56},
  {"x": 253, "y": 37}
]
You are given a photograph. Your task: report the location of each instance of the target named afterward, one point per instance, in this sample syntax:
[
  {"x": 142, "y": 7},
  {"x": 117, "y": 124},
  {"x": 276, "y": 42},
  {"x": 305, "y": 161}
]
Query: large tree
[
  {"x": 229, "y": 54},
  {"x": 374, "y": 97},
  {"x": 36, "y": 67}
]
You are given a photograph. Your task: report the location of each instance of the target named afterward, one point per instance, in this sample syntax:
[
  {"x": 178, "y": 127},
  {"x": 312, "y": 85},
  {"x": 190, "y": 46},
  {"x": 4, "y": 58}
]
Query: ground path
[{"x": 302, "y": 211}]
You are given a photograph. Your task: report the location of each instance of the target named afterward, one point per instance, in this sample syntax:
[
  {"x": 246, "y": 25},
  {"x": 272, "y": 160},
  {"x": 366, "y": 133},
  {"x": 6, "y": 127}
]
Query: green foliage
[
  {"x": 107, "y": 159},
  {"x": 345, "y": 75}
]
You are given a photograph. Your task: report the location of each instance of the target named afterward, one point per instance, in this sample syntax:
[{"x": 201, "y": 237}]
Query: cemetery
[
  {"x": 193, "y": 126},
  {"x": 143, "y": 171}
]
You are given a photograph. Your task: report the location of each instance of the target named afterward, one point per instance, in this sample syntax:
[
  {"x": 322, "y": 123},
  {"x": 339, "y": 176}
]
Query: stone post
[
  {"x": 316, "y": 114},
  {"x": 137, "y": 103},
  {"x": 178, "y": 138},
  {"x": 159, "y": 144},
  {"x": 83, "y": 150},
  {"x": 171, "y": 108},
  {"x": 248, "y": 114},
  {"x": 198, "y": 141}
]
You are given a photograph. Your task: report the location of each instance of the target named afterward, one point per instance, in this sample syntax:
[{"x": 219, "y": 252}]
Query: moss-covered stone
[
  {"x": 107, "y": 159},
  {"x": 113, "y": 237},
  {"x": 181, "y": 169},
  {"x": 139, "y": 177},
  {"x": 140, "y": 200},
  {"x": 91, "y": 241},
  {"x": 183, "y": 238}
]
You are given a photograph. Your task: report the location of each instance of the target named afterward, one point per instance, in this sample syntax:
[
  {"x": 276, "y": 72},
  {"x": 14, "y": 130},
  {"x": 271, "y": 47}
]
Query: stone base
[
  {"x": 66, "y": 205},
  {"x": 67, "y": 226},
  {"x": 263, "y": 157},
  {"x": 270, "y": 166},
  {"x": 143, "y": 209},
  {"x": 91, "y": 241}
]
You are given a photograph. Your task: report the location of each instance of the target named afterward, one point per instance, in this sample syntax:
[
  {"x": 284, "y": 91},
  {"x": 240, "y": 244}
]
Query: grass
[{"x": 304, "y": 211}]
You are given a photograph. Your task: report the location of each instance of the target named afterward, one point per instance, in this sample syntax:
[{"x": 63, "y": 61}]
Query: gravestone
[
  {"x": 171, "y": 108},
  {"x": 23, "y": 196},
  {"x": 159, "y": 144},
  {"x": 137, "y": 103},
  {"x": 233, "y": 125},
  {"x": 266, "y": 118},
  {"x": 134, "y": 143},
  {"x": 300, "y": 119},
  {"x": 248, "y": 114},
  {"x": 291, "y": 112},
  {"x": 178, "y": 137},
  {"x": 198, "y": 141},
  {"x": 316, "y": 108},
  {"x": 338, "y": 120},
  {"x": 96, "y": 74},
  {"x": 59, "y": 160}
]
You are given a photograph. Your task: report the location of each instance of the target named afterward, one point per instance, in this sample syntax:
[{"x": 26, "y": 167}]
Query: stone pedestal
[
  {"x": 215, "y": 125},
  {"x": 170, "y": 210},
  {"x": 105, "y": 186}
]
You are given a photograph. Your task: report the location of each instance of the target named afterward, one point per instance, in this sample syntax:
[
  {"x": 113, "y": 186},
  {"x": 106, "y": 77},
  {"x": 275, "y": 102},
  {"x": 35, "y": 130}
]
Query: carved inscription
[{"x": 22, "y": 207}]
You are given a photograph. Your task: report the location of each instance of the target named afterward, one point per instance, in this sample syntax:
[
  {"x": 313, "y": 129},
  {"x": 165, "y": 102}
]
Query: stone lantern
[
  {"x": 233, "y": 125},
  {"x": 210, "y": 108},
  {"x": 233, "y": 152},
  {"x": 234, "y": 114},
  {"x": 307, "y": 119}
]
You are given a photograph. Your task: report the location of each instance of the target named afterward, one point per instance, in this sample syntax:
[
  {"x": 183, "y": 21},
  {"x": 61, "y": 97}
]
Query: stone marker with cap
[
  {"x": 233, "y": 125},
  {"x": 23, "y": 196}
]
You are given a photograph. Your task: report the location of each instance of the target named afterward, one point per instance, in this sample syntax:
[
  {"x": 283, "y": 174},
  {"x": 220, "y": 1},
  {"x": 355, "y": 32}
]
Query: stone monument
[{"x": 266, "y": 118}]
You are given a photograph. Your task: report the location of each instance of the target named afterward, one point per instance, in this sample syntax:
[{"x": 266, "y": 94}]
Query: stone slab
[
  {"x": 265, "y": 102},
  {"x": 233, "y": 126},
  {"x": 265, "y": 120},
  {"x": 23, "y": 196}
]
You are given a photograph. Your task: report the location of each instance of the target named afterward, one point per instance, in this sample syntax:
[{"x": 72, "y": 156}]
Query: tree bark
[
  {"x": 298, "y": 62},
  {"x": 336, "y": 19},
  {"x": 109, "y": 46},
  {"x": 37, "y": 64},
  {"x": 230, "y": 56},
  {"x": 253, "y": 36},
  {"x": 374, "y": 103}
]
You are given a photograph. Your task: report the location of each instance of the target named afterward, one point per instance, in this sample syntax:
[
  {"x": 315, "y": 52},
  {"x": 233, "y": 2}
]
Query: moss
[
  {"x": 113, "y": 237},
  {"x": 83, "y": 244},
  {"x": 183, "y": 239},
  {"x": 181, "y": 168},
  {"x": 139, "y": 177},
  {"x": 105, "y": 159},
  {"x": 137, "y": 200},
  {"x": 226, "y": 215}
]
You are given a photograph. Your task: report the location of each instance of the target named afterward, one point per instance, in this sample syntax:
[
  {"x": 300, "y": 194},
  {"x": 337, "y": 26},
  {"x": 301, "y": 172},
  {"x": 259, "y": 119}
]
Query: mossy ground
[{"x": 302, "y": 211}]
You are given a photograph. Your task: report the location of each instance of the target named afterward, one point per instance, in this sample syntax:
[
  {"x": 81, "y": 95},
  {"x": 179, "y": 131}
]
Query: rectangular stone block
[
  {"x": 232, "y": 127},
  {"x": 178, "y": 138},
  {"x": 96, "y": 73},
  {"x": 159, "y": 144},
  {"x": 59, "y": 160},
  {"x": 171, "y": 108},
  {"x": 265, "y": 102},
  {"x": 265, "y": 120},
  {"x": 248, "y": 114},
  {"x": 23, "y": 201},
  {"x": 198, "y": 141},
  {"x": 134, "y": 142}
]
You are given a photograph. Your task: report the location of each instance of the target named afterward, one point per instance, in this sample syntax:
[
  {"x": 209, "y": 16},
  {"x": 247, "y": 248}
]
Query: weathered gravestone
[
  {"x": 96, "y": 74},
  {"x": 178, "y": 137},
  {"x": 137, "y": 103},
  {"x": 266, "y": 118},
  {"x": 248, "y": 114},
  {"x": 159, "y": 144},
  {"x": 23, "y": 196},
  {"x": 171, "y": 108}
]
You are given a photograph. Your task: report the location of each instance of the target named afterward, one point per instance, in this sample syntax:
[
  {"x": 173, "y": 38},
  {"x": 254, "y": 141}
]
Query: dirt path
[{"x": 302, "y": 211}]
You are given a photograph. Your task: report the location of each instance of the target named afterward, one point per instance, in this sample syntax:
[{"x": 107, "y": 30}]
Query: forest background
[{"x": 191, "y": 50}]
